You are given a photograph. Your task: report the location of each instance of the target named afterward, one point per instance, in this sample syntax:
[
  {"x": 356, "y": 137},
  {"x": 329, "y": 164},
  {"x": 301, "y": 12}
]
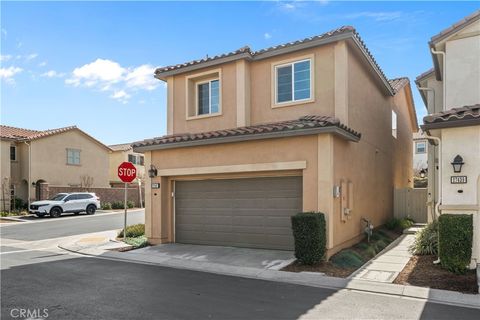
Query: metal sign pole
[{"x": 125, "y": 219}]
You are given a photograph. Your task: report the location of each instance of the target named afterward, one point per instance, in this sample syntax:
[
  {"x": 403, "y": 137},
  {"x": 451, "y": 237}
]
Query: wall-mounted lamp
[
  {"x": 423, "y": 173},
  {"x": 152, "y": 172},
  {"x": 457, "y": 164},
  {"x": 33, "y": 184}
]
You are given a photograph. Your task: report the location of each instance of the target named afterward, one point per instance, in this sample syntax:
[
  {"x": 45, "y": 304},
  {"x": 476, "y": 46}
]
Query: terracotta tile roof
[
  {"x": 303, "y": 123},
  {"x": 455, "y": 27},
  {"x": 398, "y": 83},
  {"x": 456, "y": 117},
  {"x": 16, "y": 133},
  {"x": 246, "y": 52},
  {"x": 121, "y": 147},
  {"x": 424, "y": 74}
]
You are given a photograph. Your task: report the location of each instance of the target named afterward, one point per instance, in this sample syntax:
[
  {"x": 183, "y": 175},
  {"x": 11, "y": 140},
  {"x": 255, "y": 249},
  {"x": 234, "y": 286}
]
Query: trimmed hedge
[
  {"x": 133, "y": 231},
  {"x": 309, "y": 233},
  {"x": 455, "y": 232}
]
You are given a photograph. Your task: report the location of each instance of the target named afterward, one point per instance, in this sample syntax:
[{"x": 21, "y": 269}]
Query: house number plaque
[{"x": 458, "y": 179}]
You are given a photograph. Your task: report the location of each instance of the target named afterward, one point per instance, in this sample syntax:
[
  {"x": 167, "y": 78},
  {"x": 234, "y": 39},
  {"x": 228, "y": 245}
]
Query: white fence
[{"x": 411, "y": 203}]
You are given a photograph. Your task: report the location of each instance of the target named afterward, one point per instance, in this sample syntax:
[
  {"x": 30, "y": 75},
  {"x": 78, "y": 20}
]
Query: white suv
[{"x": 66, "y": 202}]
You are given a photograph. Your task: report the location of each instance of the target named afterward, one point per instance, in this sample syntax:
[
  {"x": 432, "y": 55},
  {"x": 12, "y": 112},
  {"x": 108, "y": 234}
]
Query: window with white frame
[
  {"x": 394, "y": 124},
  {"x": 136, "y": 159},
  {"x": 293, "y": 82},
  {"x": 13, "y": 153},
  {"x": 420, "y": 147},
  {"x": 208, "y": 97},
  {"x": 73, "y": 156}
]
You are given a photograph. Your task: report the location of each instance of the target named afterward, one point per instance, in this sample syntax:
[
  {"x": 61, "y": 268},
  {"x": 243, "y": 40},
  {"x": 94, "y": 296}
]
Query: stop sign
[{"x": 127, "y": 172}]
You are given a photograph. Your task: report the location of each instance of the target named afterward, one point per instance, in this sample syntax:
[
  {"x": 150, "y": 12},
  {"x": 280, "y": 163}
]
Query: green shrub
[
  {"x": 106, "y": 206},
  {"x": 118, "y": 205},
  {"x": 399, "y": 224},
  {"x": 455, "y": 234},
  {"x": 133, "y": 231},
  {"x": 309, "y": 233},
  {"x": 137, "y": 242},
  {"x": 19, "y": 204},
  {"x": 347, "y": 259},
  {"x": 426, "y": 240},
  {"x": 130, "y": 204}
]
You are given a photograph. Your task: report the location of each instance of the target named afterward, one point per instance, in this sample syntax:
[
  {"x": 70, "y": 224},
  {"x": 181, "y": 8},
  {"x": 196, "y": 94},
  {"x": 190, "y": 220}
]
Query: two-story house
[
  {"x": 124, "y": 153},
  {"x": 253, "y": 137},
  {"x": 60, "y": 157},
  {"x": 451, "y": 92}
]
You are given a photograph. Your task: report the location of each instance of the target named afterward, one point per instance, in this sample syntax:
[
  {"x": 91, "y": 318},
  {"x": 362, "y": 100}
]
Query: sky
[{"x": 91, "y": 64}]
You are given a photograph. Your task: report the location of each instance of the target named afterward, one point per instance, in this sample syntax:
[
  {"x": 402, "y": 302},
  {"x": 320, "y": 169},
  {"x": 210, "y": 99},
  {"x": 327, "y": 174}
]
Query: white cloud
[
  {"x": 7, "y": 74},
  {"x": 4, "y": 32},
  {"x": 142, "y": 78},
  {"x": 109, "y": 76},
  {"x": 31, "y": 56},
  {"x": 267, "y": 35},
  {"x": 52, "y": 74},
  {"x": 42, "y": 64},
  {"x": 377, "y": 16},
  {"x": 5, "y": 57}
]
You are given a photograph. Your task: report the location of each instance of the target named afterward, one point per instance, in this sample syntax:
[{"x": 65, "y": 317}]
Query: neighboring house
[
  {"x": 60, "y": 157},
  {"x": 420, "y": 150},
  {"x": 451, "y": 92},
  {"x": 255, "y": 137},
  {"x": 124, "y": 153}
]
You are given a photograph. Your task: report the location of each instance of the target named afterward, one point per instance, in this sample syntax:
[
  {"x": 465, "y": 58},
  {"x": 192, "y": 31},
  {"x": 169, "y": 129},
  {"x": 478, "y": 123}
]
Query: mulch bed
[
  {"x": 420, "y": 271},
  {"x": 324, "y": 267}
]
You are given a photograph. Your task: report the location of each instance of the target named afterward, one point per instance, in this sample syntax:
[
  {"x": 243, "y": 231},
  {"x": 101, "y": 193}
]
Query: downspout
[
  {"x": 444, "y": 66},
  {"x": 439, "y": 182},
  {"x": 29, "y": 173}
]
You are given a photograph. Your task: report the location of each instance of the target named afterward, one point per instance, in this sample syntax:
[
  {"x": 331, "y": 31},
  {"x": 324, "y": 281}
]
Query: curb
[{"x": 306, "y": 279}]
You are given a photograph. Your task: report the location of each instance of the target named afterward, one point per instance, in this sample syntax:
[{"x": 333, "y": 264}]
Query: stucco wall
[
  {"x": 4, "y": 170},
  {"x": 463, "y": 68},
  {"x": 49, "y": 160}
]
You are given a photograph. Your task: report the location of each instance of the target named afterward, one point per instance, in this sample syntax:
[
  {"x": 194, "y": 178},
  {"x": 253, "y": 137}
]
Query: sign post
[{"x": 127, "y": 173}]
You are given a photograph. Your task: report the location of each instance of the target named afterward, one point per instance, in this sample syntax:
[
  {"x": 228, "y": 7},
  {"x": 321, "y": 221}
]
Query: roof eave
[
  {"x": 451, "y": 124},
  {"x": 340, "y": 132}
]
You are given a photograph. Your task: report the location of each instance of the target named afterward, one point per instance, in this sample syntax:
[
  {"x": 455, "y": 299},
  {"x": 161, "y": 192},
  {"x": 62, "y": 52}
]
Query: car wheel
[
  {"x": 40, "y": 215},
  {"x": 55, "y": 212},
  {"x": 91, "y": 209}
]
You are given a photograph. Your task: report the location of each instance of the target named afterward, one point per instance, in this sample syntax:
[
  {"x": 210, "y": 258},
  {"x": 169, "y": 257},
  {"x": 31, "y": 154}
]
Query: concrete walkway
[{"x": 386, "y": 266}]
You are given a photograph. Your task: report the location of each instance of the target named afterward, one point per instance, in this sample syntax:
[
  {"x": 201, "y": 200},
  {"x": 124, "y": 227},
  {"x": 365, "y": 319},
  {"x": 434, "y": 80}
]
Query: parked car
[{"x": 66, "y": 202}]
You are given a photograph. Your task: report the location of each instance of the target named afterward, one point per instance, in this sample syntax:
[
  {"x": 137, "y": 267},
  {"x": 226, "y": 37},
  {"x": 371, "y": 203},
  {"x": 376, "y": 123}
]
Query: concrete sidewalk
[
  {"x": 262, "y": 267},
  {"x": 386, "y": 266}
]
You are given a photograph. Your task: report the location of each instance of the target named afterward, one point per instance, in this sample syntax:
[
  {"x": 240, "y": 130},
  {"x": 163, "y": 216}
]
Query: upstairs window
[
  {"x": 293, "y": 82},
  {"x": 13, "y": 153},
  {"x": 136, "y": 159},
  {"x": 73, "y": 157},
  {"x": 420, "y": 147},
  {"x": 208, "y": 97},
  {"x": 394, "y": 124}
]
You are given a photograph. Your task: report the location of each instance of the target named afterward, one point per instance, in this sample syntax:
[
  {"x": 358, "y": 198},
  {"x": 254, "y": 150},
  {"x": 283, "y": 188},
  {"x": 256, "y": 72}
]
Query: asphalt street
[
  {"x": 37, "y": 276},
  {"x": 72, "y": 287},
  {"x": 68, "y": 225}
]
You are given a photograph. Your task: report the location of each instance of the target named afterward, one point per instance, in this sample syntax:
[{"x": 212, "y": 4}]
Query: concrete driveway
[{"x": 229, "y": 256}]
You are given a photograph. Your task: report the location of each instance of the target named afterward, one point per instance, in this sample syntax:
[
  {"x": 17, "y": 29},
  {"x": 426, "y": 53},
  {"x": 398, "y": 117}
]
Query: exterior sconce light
[
  {"x": 457, "y": 164},
  {"x": 422, "y": 173},
  {"x": 152, "y": 172},
  {"x": 33, "y": 184}
]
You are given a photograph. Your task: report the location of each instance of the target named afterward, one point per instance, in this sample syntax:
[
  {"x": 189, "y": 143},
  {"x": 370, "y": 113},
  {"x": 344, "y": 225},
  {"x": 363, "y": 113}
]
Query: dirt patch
[
  {"x": 420, "y": 271},
  {"x": 325, "y": 267},
  {"x": 345, "y": 262}
]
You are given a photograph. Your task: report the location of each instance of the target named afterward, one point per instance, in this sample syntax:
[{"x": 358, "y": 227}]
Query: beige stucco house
[
  {"x": 60, "y": 157},
  {"x": 254, "y": 137},
  {"x": 124, "y": 153},
  {"x": 420, "y": 152},
  {"x": 451, "y": 92}
]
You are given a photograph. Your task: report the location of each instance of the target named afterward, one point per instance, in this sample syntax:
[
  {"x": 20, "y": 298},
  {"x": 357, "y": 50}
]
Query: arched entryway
[{"x": 40, "y": 193}]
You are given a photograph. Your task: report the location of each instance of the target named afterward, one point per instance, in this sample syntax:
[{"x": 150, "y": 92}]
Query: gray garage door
[{"x": 251, "y": 213}]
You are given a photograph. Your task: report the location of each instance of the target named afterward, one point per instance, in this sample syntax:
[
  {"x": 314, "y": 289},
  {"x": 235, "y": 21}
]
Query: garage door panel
[{"x": 252, "y": 212}]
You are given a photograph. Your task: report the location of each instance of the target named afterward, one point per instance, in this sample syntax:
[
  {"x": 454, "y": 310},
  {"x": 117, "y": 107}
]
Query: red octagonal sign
[{"x": 127, "y": 172}]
